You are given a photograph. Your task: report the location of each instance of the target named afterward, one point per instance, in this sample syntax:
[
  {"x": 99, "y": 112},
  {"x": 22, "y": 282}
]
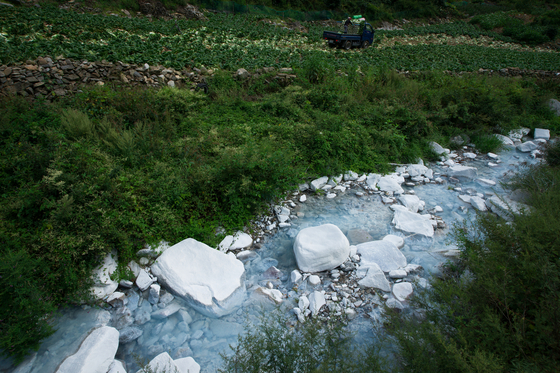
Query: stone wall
[{"x": 50, "y": 78}]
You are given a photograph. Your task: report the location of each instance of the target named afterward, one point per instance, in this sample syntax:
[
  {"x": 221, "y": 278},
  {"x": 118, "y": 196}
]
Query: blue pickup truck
[{"x": 347, "y": 41}]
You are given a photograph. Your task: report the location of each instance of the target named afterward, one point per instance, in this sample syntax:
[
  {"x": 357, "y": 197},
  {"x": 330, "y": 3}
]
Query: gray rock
[
  {"x": 462, "y": 172},
  {"x": 394, "y": 304},
  {"x": 129, "y": 334},
  {"x": 102, "y": 283},
  {"x": 321, "y": 248},
  {"x": 504, "y": 139},
  {"x": 541, "y": 133},
  {"x": 144, "y": 280},
  {"x": 319, "y": 183},
  {"x": 242, "y": 74},
  {"x": 153, "y": 296},
  {"x": 527, "y": 147},
  {"x": 554, "y": 105},
  {"x": 438, "y": 149},
  {"x": 504, "y": 207},
  {"x": 166, "y": 312},
  {"x": 211, "y": 282}
]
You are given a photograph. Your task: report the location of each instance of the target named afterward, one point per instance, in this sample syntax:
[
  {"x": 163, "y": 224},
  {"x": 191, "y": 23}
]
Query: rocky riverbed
[{"x": 338, "y": 246}]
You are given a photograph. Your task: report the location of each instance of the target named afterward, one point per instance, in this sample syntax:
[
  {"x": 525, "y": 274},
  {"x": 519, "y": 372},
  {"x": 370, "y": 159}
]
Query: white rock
[
  {"x": 465, "y": 198},
  {"x": 397, "y": 273},
  {"x": 394, "y": 304},
  {"x": 303, "y": 198},
  {"x": 462, "y": 172},
  {"x": 144, "y": 280},
  {"x": 303, "y": 303},
  {"x": 321, "y": 248},
  {"x": 402, "y": 290},
  {"x": 102, "y": 283},
  {"x": 246, "y": 255},
  {"x": 316, "y": 301},
  {"x": 411, "y": 202},
  {"x": 273, "y": 294},
  {"x": 350, "y": 176},
  {"x": 372, "y": 180},
  {"x": 331, "y": 195},
  {"x": 314, "y": 280},
  {"x": 527, "y": 147},
  {"x": 353, "y": 251},
  {"x": 95, "y": 354},
  {"x": 449, "y": 163},
  {"x": 492, "y": 155},
  {"x": 374, "y": 277},
  {"x": 411, "y": 268},
  {"x": 116, "y": 367},
  {"x": 187, "y": 365},
  {"x": 417, "y": 170},
  {"x": 478, "y": 203},
  {"x": 340, "y": 188},
  {"x": 383, "y": 253},
  {"x": 162, "y": 363},
  {"x": 486, "y": 182},
  {"x": 396, "y": 240},
  {"x": 210, "y": 281},
  {"x": 410, "y": 222},
  {"x": 319, "y": 183},
  {"x": 504, "y": 139},
  {"x": 240, "y": 240},
  {"x": 504, "y": 207},
  {"x": 295, "y": 276},
  {"x": 469, "y": 155},
  {"x": 134, "y": 268},
  {"x": 350, "y": 313},
  {"x": 438, "y": 149},
  {"x": 166, "y": 312},
  {"x": 389, "y": 184}
]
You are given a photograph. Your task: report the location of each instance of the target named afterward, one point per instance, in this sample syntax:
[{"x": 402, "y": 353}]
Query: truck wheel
[
  {"x": 365, "y": 44},
  {"x": 347, "y": 44}
]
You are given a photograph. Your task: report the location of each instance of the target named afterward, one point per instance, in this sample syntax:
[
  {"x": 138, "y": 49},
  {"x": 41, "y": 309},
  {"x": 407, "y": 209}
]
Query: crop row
[{"x": 231, "y": 42}]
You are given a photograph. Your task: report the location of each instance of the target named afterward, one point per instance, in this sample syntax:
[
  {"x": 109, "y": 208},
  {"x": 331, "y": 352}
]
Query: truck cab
[{"x": 348, "y": 41}]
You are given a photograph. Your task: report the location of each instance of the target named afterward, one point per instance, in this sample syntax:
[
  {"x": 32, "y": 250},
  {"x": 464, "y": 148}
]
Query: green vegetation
[
  {"x": 272, "y": 346},
  {"x": 228, "y": 42}
]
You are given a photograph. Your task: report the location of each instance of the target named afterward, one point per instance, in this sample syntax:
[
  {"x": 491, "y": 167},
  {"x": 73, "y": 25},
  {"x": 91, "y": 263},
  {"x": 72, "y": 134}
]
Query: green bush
[
  {"x": 25, "y": 318},
  {"x": 273, "y": 345}
]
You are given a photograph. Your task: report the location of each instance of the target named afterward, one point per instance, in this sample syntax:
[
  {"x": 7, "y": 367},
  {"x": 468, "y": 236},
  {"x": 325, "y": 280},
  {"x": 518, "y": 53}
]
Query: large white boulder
[
  {"x": 102, "y": 283},
  {"x": 319, "y": 183},
  {"x": 417, "y": 170},
  {"x": 383, "y": 253},
  {"x": 95, "y": 354},
  {"x": 462, "y": 172},
  {"x": 321, "y": 248},
  {"x": 411, "y": 222},
  {"x": 211, "y": 282}
]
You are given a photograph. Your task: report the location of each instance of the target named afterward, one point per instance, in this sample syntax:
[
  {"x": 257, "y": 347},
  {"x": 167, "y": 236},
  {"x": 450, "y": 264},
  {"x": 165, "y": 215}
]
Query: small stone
[{"x": 314, "y": 280}]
